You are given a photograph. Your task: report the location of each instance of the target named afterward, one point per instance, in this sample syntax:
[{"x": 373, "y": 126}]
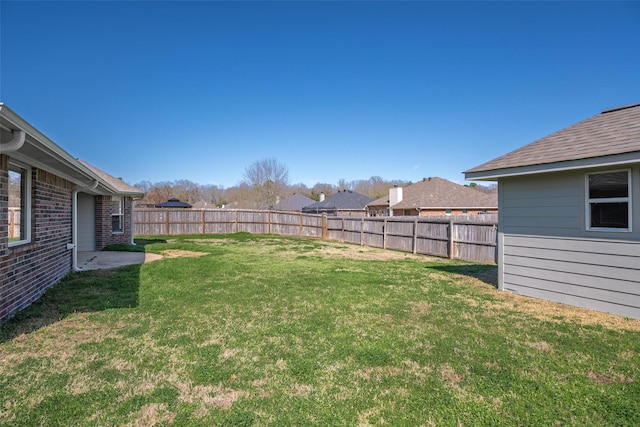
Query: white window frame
[
  {"x": 120, "y": 214},
  {"x": 628, "y": 200},
  {"x": 25, "y": 213}
]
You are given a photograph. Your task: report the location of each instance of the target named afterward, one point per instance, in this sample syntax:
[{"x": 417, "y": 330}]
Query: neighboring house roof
[
  {"x": 118, "y": 184},
  {"x": 612, "y": 136},
  {"x": 439, "y": 193},
  {"x": 173, "y": 203},
  {"x": 293, "y": 203},
  {"x": 342, "y": 200}
]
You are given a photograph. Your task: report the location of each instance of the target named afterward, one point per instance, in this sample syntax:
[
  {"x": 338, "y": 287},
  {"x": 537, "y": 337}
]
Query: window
[
  {"x": 447, "y": 212},
  {"x": 117, "y": 214},
  {"x": 609, "y": 201},
  {"x": 19, "y": 204}
]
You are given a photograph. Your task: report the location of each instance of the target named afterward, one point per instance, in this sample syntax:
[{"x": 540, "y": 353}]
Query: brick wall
[
  {"x": 104, "y": 235},
  {"x": 28, "y": 270}
]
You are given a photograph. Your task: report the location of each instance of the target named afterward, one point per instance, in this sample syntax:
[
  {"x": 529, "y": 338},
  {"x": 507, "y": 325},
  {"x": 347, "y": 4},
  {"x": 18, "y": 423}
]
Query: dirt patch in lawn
[
  {"x": 356, "y": 252},
  {"x": 617, "y": 378},
  {"x": 550, "y": 311},
  {"x": 176, "y": 253},
  {"x": 366, "y": 253},
  {"x": 540, "y": 309},
  {"x": 213, "y": 242}
]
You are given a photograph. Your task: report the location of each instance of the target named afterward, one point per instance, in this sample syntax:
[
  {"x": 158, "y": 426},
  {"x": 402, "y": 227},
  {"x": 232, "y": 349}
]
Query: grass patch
[{"x": 247, "y": 330}]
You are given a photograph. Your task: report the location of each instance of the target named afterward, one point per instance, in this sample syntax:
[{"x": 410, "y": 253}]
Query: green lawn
[{"x": 261, "y": 330}]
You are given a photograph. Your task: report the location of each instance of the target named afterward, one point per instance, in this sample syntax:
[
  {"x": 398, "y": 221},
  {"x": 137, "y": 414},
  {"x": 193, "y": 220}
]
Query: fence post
[
  {"x": 203, "y": 211},
  {"x": 362, "y": 232},
  {"x": 384, "y": 234},
  {"x": 166, "y": 220},
  {"x": 268, "y": 222},
  {"x": 451, "y": 242},
  {"x": 415, "y": 236},
  {"x": 324, "y": 227},
  {"x": 342, "y": 221},
  {"x": 236, "y": 222}
]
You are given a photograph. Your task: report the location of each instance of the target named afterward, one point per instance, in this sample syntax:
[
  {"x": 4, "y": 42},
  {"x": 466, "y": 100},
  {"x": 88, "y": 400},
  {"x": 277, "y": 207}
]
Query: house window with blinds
[
  {"x": 609, "y": 201},
  {"x": 117, "y": 214}
]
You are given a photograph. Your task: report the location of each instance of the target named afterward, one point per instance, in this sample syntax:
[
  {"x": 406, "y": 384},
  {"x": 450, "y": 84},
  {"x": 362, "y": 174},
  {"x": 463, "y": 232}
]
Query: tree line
[{"x": 264, "y": 183}]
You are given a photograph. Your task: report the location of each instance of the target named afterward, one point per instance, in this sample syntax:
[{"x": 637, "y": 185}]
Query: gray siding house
[{"x": 569, "y": 214}]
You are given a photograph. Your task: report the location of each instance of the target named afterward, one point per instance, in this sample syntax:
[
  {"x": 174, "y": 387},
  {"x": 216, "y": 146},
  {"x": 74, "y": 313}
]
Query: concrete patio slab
[{"x": 97, "y": 260}]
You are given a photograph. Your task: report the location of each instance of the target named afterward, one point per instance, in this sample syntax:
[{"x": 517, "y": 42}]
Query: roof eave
[
  {"x": 51, "y": 157},
  {"x": 594, "y": 162},
  {"x": 43, "y": 153}
]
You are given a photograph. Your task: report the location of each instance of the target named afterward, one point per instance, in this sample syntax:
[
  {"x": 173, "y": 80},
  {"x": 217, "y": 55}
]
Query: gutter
[
  {"x": 74, "y": 229},
  {"x": 15, "y": 144},
  {"x": 613, "y": 160}
]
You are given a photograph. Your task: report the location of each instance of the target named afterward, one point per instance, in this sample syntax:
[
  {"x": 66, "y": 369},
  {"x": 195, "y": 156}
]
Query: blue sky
[{"x": 161, "y": 91}]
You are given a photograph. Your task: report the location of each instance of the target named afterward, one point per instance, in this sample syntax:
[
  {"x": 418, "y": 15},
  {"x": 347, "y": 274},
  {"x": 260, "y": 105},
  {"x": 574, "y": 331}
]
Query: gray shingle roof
[
  {"x": 120, "y": 186},
  {"x": 614, "y": 131},
  {"x": 342, "y": 200},
  {"x": 293, "y": 203},
  {"x": 173, "y": 203},
  {"x": 440, "y": 193}
]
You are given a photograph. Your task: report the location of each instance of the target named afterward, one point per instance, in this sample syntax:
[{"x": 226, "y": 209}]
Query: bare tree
[
  {"x": 343, "y": 184},
  {"x": 321, "y": 188},
  {"x": 241, "y": 197},
  {"x": 186, "y": 191},
  {"x": 213, "y": 194},
  {"x": 269, "y": 179}
]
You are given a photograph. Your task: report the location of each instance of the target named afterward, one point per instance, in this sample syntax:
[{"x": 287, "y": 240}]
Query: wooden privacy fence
[
  {"x": 465, "y": 238},
  {"x": 155, "y": 222},
  {"x": 454, "y": 238}
]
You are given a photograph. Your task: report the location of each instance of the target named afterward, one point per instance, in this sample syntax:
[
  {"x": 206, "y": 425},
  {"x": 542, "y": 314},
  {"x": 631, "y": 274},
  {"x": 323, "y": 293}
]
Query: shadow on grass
[
  {"x": 138, "y": 247},
  {"x": 88, "y": 291},
  {"x": 485, "y": 273}
]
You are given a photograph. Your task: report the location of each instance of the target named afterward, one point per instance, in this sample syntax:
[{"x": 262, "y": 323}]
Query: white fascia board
[
  {"x": 50, "y": 149},
  {"x": 29, "y": 160},
  {"x": 594, "y": 162}
]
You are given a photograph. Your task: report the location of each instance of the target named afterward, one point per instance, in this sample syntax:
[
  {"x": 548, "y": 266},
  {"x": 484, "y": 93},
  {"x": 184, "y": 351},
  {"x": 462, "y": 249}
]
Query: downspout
[
  {"x": 16, "y": 142},
  {"x": 74, "y": 228}
]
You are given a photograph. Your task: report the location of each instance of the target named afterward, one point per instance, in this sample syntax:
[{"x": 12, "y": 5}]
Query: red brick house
[
  {"x": 434, "y": 197},
  {"x": 51, "y": 206}
]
